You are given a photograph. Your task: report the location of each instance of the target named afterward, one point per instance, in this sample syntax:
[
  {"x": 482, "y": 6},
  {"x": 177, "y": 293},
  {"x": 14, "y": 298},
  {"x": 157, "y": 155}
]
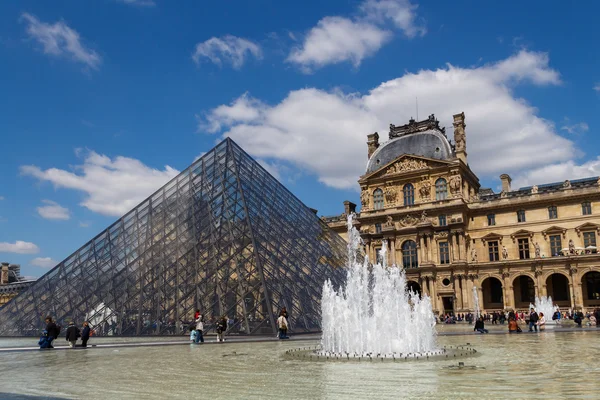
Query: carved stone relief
[
  {"x": 425, "y": 189},
  {"x": 455, "y": 184},
  {"x": 390, "y": 194},
  {"x": 364, "y": 199},
  {"x": 405, "y": 165},
  {"x": 534, "y": 189}
]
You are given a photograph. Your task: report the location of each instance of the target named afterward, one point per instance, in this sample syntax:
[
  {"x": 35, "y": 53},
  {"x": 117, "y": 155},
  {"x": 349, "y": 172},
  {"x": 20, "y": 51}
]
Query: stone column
[
  {"x": 433, "y": 291},
  {"x": 392, "y": 251},
  {"x": 421, "y": 249},
  {"x": 465, "y": 292},
  {"x": 432, "y": 254},
  {"x": 458, "y": 292},
  {"x": 509, "y": 293},
  {"x": 578, "y": 295},
  {"x": 455, "y": 250},
  {"x": 424, "y": 285},
  {"x": 572, "y": 296},
  {"x": 462, "y": 249}
]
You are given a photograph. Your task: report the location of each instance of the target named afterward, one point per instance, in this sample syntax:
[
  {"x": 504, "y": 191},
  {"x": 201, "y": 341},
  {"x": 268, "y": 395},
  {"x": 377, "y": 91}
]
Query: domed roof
[{"x": 431, "y": 143}]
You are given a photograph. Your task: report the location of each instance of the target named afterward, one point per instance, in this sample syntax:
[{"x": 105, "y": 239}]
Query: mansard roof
[{"x": 423, "y": 138}]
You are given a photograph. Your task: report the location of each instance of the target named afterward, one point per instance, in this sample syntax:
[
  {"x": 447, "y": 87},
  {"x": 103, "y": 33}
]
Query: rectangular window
[
  {"x": 442, "y": 219},
  {"x": 444, "y": 253},
  {"x": 491, "y": 219},
  {"x": 378, "y": 259},
  {"x": 589, "y": 239},
  {"x": 493, "y": 251},
  {"x": 521, "y": 216},
  {"x": 586, "y": 208},
  {"x": 524, "y": 248},
  {"x": 555, "y": 245},
  {"x": 377, "y": 228},
  {"x": 552, "y": 212}
]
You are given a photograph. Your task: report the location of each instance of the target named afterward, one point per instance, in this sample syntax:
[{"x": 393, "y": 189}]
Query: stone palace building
[{"x": 420, "y": 195}]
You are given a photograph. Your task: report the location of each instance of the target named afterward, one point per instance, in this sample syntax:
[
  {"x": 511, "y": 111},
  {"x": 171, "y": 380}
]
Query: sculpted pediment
[{"x": 407, "y": 163}]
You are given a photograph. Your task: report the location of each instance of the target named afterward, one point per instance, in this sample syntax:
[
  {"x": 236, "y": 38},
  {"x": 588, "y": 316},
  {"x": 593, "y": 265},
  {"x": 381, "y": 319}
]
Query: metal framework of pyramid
[{"x": 224, "y": 237}]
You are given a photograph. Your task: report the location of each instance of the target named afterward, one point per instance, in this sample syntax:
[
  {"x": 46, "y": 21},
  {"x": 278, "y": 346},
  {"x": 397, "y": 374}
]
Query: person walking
[
  {"x": 282, "y": 325},
  {"x": 72, "y": 334},
  {"x": 85, "y": 333},
  {"x": 199, "y": 329},
  {"x": 221, "y": 328},
  {"x": 533, "y": 320},
  {"x": 479, "y": 326}
]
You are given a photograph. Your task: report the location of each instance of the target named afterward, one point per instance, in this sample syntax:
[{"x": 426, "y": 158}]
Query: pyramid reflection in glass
[{"x": 224, "y": 237}]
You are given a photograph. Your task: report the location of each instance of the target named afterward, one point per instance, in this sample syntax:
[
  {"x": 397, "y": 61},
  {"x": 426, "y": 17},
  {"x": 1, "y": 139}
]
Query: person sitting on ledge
[
  {"x": 541, "y": 322},
  {"x": 513, "y": 326},
  {"x": 479, "y": 326}
]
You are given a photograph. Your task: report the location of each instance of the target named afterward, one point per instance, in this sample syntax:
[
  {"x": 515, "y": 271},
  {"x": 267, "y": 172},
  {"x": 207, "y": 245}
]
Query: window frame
[
  {"x": 524, "y": 248},
  {"x": 586, "y": 241},
  {"x": 493, "y": 250},
  {"x": 586, "y": 208},
  {"x": 444, "y": 252},
  {"x": 378, "y": 228},
  {"x": 441, "y": 189},
  {"x": 410, "y": 257},
  {"x": 553, "y": 246},
  {"x": 521, "y": 217},
  {"x": 378, "y": 201},
  {"x": 552, "y": 212},
  {"x": 442, "y": 220},
  {"x": 408, "y": 192},
  {"x": 491, "y": 219}
]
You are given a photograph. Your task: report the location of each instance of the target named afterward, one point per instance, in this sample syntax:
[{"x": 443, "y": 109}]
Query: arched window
[
  {"x": 378, "y": 199},
  {"x": 409, "y": 254},
  {"x": 409, "y": 194},
  {"x": 441, "y": 189}
]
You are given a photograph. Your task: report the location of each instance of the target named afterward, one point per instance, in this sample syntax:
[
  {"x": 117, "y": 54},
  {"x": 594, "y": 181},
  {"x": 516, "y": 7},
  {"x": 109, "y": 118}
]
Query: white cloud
[
  {"x": 558, "y": 172},
  {"x": 401, "y": 12},
  {"x": 1, "y": 198},
  {"x": 111, "y": 186},
  {"x": 43, "y": 262},
  {"x": 338, "y": 39},
  {"x": 597, "y": 87},
  {"x": 53, "y": 210},
  {"x": 228, "y": 49},
  {"x": 325, "y": 132},
  {"x": 576, "y": 129},
  {"x": 140, "y": 3},
  {"x": 84, "y": 224},
  {"x": 59, "y": 39},
  {"x": 19, "y": 247}
]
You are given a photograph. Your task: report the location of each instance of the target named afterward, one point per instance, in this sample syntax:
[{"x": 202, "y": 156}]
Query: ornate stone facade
[{"x": 509, "y": 246}]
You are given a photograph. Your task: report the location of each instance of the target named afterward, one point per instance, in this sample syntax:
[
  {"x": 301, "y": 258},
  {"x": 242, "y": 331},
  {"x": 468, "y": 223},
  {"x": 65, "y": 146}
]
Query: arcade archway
[
  {"x": 493, "y": 298},
  {"x": 557, "y": 286}
]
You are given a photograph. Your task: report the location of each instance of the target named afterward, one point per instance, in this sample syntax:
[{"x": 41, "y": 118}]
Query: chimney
[
  {"x": 349, "y": 207},
  {"x": 4, "y": 274},
  {"x": 460, "y": 137},
  {"x": 372, "y": 143},
  {"x": 505, "y": 178}
]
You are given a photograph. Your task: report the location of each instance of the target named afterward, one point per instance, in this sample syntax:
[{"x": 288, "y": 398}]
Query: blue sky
[{"x": 104, "y": 100}]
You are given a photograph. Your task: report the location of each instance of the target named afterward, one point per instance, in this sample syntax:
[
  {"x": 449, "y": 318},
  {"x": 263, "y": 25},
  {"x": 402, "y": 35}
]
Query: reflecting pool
[{"x": 559, "y": 365}]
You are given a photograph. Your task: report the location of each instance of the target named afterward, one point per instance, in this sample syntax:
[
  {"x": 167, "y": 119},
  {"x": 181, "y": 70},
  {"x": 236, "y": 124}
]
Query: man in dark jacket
[
  {"x": 533, "y": 320},
  {"x": 72, "y": 334},
  {"x": 52, "y": 331},
  {"x": 85, "y": 334}
]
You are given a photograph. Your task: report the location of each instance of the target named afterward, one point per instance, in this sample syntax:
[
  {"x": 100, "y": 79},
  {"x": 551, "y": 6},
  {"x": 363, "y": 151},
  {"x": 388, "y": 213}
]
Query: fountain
[
  {"x": 544, "y": 305},
  {"x": 476, "y": 303},
  {"x": 374, "y": 314}
]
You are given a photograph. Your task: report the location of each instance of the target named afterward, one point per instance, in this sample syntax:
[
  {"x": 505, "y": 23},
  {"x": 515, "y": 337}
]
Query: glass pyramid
[{"x": 224, "y": 237}]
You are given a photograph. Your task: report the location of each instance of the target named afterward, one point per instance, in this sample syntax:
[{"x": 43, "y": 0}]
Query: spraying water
[
  {"x": 476, "y": 302},
  {"x": 374, "y": 313},
  {"x": 544, "y": 305}
]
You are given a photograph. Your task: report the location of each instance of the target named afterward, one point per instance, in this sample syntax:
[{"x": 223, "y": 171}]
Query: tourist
[
  {"x": 578, "y": 318},
  {"x": 72, "y": 334},
  {"x": 221, "y": 328},
  {"x": 52, "y": 332},
  {"x": 193, "y": 333},
  {"x": 85, "y": 334},
  {"x": 282, "y": 325},
  {"x": 196, "y": 314},
  {"x": 513, "y": 326},
  {"x": 199, "y": 338},
  {"x": 533, "y": 319},
  {"x": 597, "y": 315},
  {"x": 593, "y": 320},
  {"x": 479, "y": 326},
  {"x": 495, "y": 318},
  {"x": 541, "y": 322}
]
